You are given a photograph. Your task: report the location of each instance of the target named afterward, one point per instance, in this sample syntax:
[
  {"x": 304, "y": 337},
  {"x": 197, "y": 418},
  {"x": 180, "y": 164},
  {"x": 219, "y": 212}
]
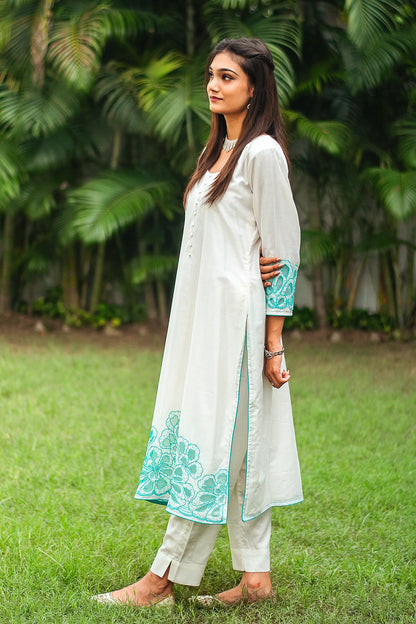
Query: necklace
[{"x": 228, "y": 145}]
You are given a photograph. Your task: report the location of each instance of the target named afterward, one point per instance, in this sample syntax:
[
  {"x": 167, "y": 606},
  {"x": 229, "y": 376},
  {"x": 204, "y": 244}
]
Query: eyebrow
[{"x": 225, "y": 69}]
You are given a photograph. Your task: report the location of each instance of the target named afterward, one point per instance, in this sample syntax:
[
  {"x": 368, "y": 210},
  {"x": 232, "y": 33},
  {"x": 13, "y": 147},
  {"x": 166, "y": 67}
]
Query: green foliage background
[{"x": 103, "y": 114}]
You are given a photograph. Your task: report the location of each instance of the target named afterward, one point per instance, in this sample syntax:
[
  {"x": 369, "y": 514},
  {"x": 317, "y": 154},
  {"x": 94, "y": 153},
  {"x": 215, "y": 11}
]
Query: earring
[{"x": 248, "y": 105}]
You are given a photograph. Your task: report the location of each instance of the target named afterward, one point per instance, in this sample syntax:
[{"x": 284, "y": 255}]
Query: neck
[{"x": 234, "y": 124}]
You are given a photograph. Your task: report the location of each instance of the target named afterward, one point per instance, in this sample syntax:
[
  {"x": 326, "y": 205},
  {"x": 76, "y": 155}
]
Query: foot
[
  {"x": 149, "y": 590},
  {"x": 253, "y": 587}
]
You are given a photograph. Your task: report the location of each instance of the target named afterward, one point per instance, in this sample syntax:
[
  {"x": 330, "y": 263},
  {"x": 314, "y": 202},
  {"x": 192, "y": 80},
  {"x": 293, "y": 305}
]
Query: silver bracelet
[{"x": 270, "y": 354}]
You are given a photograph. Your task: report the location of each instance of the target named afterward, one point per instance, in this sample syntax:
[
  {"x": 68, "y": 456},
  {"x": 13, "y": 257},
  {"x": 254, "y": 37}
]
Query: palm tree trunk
[
  {"x": 410, "y": 276},
  {"x": 398, "y": 295},
  {"x": 386, "y": 286},
  {"x": 162, "y": 302},
  {"x": 319, "y": 296},
  {"x": 339, "y": 281},
  {"x": 5, "y": 296},
  {"x": 356, "y": 282},
  {"x": 99, "y": 263},
  {"x": 98, "y": 278},
  {"x": 86, "y": 266},
  {"x": 69, "y": 278},
  {"x": 150, "y": 301},
  {"x": 40, "y": 39},
  {"x": 149, "y": 295}
]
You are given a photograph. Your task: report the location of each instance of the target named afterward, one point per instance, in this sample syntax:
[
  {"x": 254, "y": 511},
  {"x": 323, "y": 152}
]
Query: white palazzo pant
[{"x": 187, "y": 545}]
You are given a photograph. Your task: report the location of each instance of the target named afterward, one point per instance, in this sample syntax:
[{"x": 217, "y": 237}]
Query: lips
[{"x": 212, "y": 98}]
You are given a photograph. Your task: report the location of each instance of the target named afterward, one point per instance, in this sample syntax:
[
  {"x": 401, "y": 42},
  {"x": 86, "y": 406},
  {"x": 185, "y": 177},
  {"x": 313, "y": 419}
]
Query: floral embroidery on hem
[
  {"x": 173, "y": 473},
  {"x": 280, "y": 295}
]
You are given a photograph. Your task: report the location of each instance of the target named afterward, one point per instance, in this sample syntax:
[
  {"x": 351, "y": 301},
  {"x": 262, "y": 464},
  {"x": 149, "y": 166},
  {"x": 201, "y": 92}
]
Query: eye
[{"x": 227, "y": 77}]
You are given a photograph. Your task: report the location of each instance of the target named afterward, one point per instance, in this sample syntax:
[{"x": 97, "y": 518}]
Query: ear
[{"x": 251, "y": 91}]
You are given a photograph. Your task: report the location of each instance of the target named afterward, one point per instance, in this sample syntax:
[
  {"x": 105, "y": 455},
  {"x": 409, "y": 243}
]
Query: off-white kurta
[{"x": 218, "y": 309}]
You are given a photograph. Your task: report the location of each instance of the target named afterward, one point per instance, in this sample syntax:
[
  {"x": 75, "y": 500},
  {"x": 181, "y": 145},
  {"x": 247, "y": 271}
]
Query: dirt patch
[{"x": 22, "y": 330}]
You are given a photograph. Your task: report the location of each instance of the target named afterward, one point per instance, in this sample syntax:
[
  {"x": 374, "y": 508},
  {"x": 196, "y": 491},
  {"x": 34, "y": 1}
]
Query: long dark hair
[{"x": 263, "y": 116}]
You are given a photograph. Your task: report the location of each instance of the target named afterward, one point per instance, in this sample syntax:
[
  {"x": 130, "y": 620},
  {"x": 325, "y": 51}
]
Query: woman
[{"x": 222, "y": 447}]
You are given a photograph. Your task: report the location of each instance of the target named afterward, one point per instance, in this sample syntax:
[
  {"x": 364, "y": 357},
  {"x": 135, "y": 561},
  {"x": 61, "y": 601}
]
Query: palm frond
[
  {"x": 37, "y": 197},
  {"x": 7, "y": 6},
  {"x": 368, "y": 66},
  {"x": 332, "y": 136},
  {"x": 376, "y": 242},
  {"x": 284, "y": 74},
  {"x": 320, "y": 74},
  {"x": 50, "y": 151},
  {"x": 237, "y": 4},
  {"x": 396, "y": 189},
  {"x": 10, "y": 172},
  {"x": 367, "y": 19},
  {"x": 78, "y": 38},
  {"x": 37, "y": 113},
  {"x": 5, "y": 31},
  {"x": 112, "y": 201},
  {"x": 15, "y": 42},
  {"x": 280, "y": 29},
  {"x": 153, "y": 267},
  {"x": 156, "y": 77},
  {"x": 171, "y": 91},
  {"x": 405, "y": 130},
  {"x": 317, "y": 246},
  {"x": 169, "y": 110},
  {"x": 117, "y": 95}
]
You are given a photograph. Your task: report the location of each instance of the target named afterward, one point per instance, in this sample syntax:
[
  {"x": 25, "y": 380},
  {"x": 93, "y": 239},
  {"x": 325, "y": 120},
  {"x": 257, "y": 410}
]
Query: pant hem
[
  {"x": 251, "y": 561},
  {"x": 179, "y": 572}
]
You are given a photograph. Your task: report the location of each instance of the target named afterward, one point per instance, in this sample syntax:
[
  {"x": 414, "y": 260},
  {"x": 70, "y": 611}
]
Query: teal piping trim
[
  {"x": 280, "y": 504},
  {"x": 248, "y": 429},
  {"x": 235, "y": 422},
  {"x": 193, "y": 518}
]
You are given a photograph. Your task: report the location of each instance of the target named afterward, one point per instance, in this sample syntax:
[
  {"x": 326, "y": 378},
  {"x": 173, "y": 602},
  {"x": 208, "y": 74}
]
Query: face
[{"x": 228, "y": 87}]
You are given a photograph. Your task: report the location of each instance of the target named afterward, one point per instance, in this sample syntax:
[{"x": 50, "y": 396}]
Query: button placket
[{"x": 197, "y": 205}]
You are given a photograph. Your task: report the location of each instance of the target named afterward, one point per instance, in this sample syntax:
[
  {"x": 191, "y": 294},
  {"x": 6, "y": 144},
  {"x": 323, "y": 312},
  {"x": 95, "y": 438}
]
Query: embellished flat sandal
[
  {"x": 164, "y": 601},
  {"x": 215, "y": 601}
]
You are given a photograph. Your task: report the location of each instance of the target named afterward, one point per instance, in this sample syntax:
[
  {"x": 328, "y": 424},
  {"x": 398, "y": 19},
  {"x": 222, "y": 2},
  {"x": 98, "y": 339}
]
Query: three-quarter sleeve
[{"x": 278, "y": 224}]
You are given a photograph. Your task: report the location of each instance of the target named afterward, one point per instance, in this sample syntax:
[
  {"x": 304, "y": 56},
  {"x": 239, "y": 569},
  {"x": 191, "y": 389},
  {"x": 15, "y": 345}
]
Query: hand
[
  {"x": 273, "y": 372},
  {"x": 269, "y": 268}
]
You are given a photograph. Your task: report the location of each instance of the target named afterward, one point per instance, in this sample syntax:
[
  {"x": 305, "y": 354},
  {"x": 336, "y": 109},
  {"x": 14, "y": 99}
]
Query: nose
[{"x": 212, "y": 84}]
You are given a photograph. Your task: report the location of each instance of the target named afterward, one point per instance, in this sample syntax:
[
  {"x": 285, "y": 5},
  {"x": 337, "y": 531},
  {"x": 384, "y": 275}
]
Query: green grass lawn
[{"x": 74, "y": 422}]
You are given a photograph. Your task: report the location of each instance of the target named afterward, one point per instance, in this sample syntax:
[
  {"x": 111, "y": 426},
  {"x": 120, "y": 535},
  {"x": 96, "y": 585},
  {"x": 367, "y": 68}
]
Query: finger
[
  {"x": 270, "y": 268},
  {"x": 279, "y": 379},
  {"x": 268, "y": 276},
  {"x": 269, "y": 260}
]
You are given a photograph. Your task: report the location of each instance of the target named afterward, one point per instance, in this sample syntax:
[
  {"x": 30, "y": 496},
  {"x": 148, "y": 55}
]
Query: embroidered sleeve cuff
[{"x": 280, "y": 295}]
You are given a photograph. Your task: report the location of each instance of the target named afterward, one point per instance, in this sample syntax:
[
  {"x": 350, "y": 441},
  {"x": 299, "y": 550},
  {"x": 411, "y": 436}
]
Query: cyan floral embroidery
[
  {"x": 280, "y": 295},
  {"x": 172, "y": 473},
  {"x": 213, "y": 495}
]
